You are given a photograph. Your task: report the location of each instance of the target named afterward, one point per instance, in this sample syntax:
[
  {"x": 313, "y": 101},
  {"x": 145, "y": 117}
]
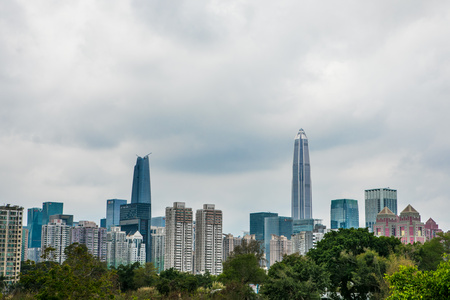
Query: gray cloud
[{"x": 217, "y": 91}]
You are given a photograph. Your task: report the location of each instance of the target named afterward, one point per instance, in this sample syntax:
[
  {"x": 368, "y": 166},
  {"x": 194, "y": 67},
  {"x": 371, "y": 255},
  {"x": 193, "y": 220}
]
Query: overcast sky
[{"x": 217, "y": 91}]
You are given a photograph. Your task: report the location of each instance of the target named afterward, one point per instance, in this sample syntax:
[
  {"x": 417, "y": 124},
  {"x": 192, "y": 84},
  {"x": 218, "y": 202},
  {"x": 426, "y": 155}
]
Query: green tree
[
  {"x": 81, "y": 276},
  {"x": 430, "y": 255},
  {"x": 125, "y": 275},
  {"x": 409, "y": 283},
  {"x": 338, "y": 252},
  {"x": 296, "y": 277},
  {"x": 145, "y": 276}
]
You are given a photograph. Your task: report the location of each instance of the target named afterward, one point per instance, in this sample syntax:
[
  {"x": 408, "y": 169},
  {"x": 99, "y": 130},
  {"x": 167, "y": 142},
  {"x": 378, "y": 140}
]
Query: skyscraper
[
  {"x": 376, "y": 200},
  {"x": 141, "y": 192},
  {"x": 301, "y": 207},
  {"x": 208, "y": 240},
  {"x": 49, "y": 209},
  {"x": 56, "y": 234},
  {"x": 179, "y": 238},
  {"x": 137, "y": 217},
  {"x": 113, "y": 212},
  {"x": 34, "y": 225},
  {"x": 257, "y": 224},
  {"x": 89, "y": 234},
  {"x": 344, "y": 213},
  {"x": 278, "y": 226}
]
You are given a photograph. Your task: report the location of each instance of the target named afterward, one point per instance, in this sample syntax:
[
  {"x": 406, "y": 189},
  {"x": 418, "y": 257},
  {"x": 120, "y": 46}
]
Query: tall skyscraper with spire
[
  {"x": 137, "y": 216},
  {"x": 301, "y": 179}
]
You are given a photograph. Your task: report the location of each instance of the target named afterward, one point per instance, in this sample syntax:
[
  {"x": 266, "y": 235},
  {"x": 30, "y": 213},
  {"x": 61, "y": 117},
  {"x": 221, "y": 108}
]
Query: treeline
[{"x": 346, "y": 264}]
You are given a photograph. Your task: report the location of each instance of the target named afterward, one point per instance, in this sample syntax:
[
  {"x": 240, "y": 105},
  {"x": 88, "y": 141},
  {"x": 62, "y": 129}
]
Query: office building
[
  {"x": 103, "y": 221},
  {"x": 136, "y": 248},
  {"x": 301, "y": 207},
  {"x": 116, "y": 247},
  {"x": 313, "y": 225},
  {"x": 49, "y": 209},
  {"x": 68, "y": 219},
  {"x": 279, "y": 246},
  {"x": 376, "y": 200},
  {"x": 257, "y": 224},
  {"x": 34, "y": 225},
  {"x": 55, "y": 234},
  {"x": 431, "y": 229},
  {"x": 89, "y": 234},
  {"x": 208, "y": 240},
  {"x": 11, "y": 246},
  {"x": 137, "y": 217},
  {"x": 344, "y": 213},
  {"x": 276, "y": 226},
  {"x": 113, "y": 212},
  {"x": 141, "y": 192},
  {"x": 158, "y": 247},
  {"x": 159, "y": 221},
  {"x": 179, "y": 238},
  {"x": 407, "y": 227}
]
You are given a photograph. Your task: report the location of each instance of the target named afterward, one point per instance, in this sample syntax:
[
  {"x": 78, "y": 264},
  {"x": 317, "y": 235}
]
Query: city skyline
[{"x": 216, "y": 91}]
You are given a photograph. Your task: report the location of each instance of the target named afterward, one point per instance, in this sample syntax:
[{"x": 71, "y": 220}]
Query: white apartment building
[
  {"x": 89, "y": 234},
  {"x": 136, "y": 248},
  {"x": 55, "y": 234},
  {"x": 208, "y": 240},
  {"x": 179, "y": 238},
  {"x": 116, "y": 247}
]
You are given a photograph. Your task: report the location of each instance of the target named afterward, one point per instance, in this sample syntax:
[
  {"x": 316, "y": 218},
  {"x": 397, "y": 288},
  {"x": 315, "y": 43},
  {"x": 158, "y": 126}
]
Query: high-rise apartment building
[
  {"x": 302, "y": 242},
  {"x": 141, "y": 192},
  {"x": 158, "y": 247},
  {"x": 344, "y": 213},
  {"x": 113, "y": 212},
  {"x": 11, "y": 241},
  {"x": 279, "y": 246},
  {"x": 89, "y": 234},
  {"x": 179, "y": 238},
  {"x": 34, "y": 225},
  {"x": 49, "y": 209},
  {"x": 136, "y": 248},
  {"x": 208, "y": 240},
  {"x": 56, "y": 234},
  {"x": 376, "y": 200},
  {"x": 230, "y": 242},
  {"x": 301, "y": 207},
  {"x": 116, "y": 247}
]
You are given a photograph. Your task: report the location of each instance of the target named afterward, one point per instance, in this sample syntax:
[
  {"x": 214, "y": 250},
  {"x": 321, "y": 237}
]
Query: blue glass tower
[
  {"x": 275, "y": 225},
  {"x": 113, "y": 212},
  {"x": 50, "y": 209},
  {"x": 34, "y": 225},
  {"x": 257, "y": 224},
  {"x": 301, "y": 207},
  {"x": 344, "y": 213},
  {"x": 141, "y": 181}
]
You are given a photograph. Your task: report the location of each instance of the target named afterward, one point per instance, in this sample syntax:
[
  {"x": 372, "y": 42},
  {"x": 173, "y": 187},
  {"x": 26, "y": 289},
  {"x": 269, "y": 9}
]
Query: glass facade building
[
  {"x": 141, "y": 181},
  {"x": 278, "y": 226},
  {"x": 34, "y": 225},
  {"x": 159, "y": 221},
  {"x": 257, "y": 223},
  {"x": 307, "y": 225},
  {"x": 301, "y": 207},
  {"x": 344, "y": 213},
  {"x": 137, "y": 217},
  {"x": 113, "y": 212},
  {"x": 50, "y": 209},
  {"x": 375, "y": 201}
]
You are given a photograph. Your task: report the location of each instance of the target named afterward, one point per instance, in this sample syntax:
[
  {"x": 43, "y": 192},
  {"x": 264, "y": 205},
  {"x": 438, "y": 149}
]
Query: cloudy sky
[{"x": 217, "y": 91}]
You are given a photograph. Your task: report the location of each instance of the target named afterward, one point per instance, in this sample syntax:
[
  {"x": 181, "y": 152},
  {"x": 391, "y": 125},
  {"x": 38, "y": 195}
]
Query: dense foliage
[{"x": 346, "y": 264}]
